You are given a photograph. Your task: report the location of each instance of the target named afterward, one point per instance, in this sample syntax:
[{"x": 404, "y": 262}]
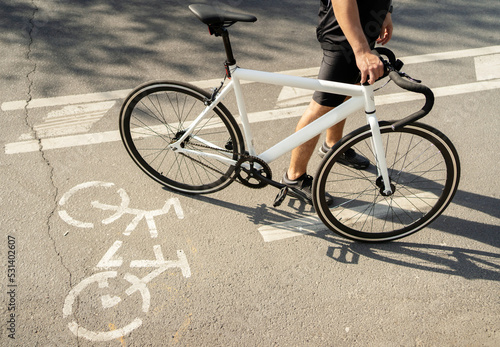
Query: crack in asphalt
[{"x": 30, "y": 78}]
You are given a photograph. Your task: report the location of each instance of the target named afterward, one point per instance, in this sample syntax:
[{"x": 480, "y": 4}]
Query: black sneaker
[
  {"x": 348, "y": 158},
  {"x": 301, "y": 188}
]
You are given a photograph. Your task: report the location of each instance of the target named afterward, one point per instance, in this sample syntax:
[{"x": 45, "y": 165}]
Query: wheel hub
[
  {"x": 380, "y": 184},
  {"x": 178, "y": 136}
]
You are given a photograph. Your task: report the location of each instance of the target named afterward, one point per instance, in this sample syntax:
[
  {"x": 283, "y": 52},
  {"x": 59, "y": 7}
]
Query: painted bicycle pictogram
[
  {"x": 119, "y": 287},
  {"x": 120, "y": 210}
]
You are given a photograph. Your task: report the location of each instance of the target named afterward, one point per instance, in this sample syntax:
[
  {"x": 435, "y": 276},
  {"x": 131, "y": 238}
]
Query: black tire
[
  {"x": 156, "y": 113},
  {"x": 424, "y": 169}
]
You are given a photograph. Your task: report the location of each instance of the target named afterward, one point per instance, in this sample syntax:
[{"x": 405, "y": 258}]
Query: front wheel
[
  {"x": 157, "y": 114},
  {"x": 424, "y": 170}
]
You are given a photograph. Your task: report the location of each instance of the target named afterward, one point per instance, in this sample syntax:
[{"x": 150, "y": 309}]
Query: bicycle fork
[{"x": 383, "y": 180}]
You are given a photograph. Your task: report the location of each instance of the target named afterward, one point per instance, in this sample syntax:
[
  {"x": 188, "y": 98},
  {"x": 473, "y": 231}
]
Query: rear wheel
[
  {"x": 424, "y": 170},
  {"x": 157, "y": 114}
]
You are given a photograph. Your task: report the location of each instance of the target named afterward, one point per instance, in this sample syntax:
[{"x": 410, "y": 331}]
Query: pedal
[{"x": 281, "y": 196}]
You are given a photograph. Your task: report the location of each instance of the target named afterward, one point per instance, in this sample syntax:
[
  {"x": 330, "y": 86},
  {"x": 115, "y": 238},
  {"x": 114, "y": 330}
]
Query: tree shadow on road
[{"x": 116, "y": 44}]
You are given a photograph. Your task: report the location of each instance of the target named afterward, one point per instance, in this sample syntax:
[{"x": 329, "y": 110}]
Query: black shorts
[{"x": 337, "y": 66}]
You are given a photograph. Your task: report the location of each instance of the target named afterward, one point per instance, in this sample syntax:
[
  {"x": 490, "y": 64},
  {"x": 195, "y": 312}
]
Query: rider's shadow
[
  {"x": 479, "y": 231},
  {"x": 469, "y": 263},
  {"x": 464, "y": 262}
]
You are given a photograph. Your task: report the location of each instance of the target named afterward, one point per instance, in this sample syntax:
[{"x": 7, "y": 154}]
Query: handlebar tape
[
  {"x": 387, "y": 52},
  {"x": 417, "y": 88}
]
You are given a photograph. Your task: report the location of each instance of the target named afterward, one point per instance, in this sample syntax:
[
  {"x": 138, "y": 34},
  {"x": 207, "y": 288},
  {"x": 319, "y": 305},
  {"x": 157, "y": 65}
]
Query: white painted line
[
  {"x": 292, "y": 228},
  {"x": 404, "y": 96},
  {"x": 70, "y": 120},
  {"x": 487, "y": 67},
  {"x": 108, "y": 301},
  {"x": 112, "y": 136},
  {"x": 65, "y": 100},
  {"x": 86, "y": 98},
  {"x": 466, "y": 53},
  {"x": 62, "y": 142},
  {"x": 163, "y": 264},
  {"x": 290, "y": 96},
  {"x": 439, "y": 92},
  {"x": 120, "y": 94},
  {"x": 312, "y": 224},
  {"x": 108, "y": 260},
  {"x": 103, "y": 336},
  {"x": 65, "y": 216}
]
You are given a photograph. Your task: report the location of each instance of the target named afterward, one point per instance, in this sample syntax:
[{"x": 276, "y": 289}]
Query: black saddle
[{"x": 216, "y": 17}]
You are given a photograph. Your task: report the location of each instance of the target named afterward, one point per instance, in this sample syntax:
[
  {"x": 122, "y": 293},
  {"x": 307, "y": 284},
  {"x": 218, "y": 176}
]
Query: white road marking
[
  {"x": 161, "y": 264},
  {"x": 120, "y": 210},
  {"x": 289, "y": 98},
  {"x": 465, "y": 53},
  {"x": 107, "y": 302},
  {"x": 292, "y": 228},
  {"x": 64, "y": 214},
  {"x": 120, "y": 94},
  {"x": 312, "y": 224},
  {"x": 70, "y": 120},
  {"x": 62, "y": 142},
  {"x": 487, "y": 67},
  {"x": 65, "y": 100},
  {"x": 104, "y": 336},
  {"x": 108, "y": 260},
  {"x": 112, "y": 136},
  {"x": 100, "y": 278},
  {"x": 112, "y": 260}
]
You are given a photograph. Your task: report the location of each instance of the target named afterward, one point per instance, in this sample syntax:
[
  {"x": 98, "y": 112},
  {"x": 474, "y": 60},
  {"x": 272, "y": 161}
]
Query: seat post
[{"x": 227, "y": 46}]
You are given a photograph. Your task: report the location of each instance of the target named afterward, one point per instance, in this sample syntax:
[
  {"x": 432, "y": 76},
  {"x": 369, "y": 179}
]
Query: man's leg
[
  {"x": 350, "y": 157},
  {"x": 335, "y": 133},
  {"x": 302, "y": 154},
  {"x": 296, "y": 176}
]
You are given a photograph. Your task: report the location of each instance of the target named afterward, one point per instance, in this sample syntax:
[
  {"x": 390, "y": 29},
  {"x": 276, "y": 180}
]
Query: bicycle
[{"x": 186, "y": 139}]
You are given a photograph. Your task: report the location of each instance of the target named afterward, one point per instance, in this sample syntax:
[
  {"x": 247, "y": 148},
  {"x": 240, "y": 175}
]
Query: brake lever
[
  {"x": 398, "y": 65},
  {"x": 405, "y": 75}
]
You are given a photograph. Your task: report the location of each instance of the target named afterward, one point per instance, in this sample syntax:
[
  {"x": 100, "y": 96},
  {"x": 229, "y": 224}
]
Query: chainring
[{"x": 248, "y": 174}]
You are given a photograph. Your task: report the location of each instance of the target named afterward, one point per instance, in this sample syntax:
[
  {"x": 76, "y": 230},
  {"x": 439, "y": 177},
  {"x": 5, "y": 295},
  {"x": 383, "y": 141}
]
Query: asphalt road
[{"x": 96, "y": 253}]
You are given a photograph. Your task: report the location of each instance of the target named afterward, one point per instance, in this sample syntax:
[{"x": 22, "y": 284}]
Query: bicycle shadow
[
  {"x": 467, "y": 263},
  {"x": 464, "y": 262},
  {"x": 261, "y": 214}
]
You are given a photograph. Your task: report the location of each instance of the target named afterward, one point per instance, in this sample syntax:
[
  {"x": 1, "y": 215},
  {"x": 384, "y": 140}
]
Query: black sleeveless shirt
[{"x": 371, "y": 13}]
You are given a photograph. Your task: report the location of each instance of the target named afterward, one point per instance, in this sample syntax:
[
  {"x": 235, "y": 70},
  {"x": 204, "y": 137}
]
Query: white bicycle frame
[{"x": 361, "y": 97}]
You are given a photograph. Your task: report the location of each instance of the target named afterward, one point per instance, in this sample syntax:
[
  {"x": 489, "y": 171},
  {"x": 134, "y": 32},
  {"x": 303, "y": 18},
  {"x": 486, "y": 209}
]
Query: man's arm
[
  {"x": 347, "y": 14},
  {"x": 386, "y": 31}
]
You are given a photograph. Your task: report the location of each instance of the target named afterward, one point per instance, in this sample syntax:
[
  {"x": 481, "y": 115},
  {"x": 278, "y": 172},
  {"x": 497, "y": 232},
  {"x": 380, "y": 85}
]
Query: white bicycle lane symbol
[{"x": 109, "y": 260}]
